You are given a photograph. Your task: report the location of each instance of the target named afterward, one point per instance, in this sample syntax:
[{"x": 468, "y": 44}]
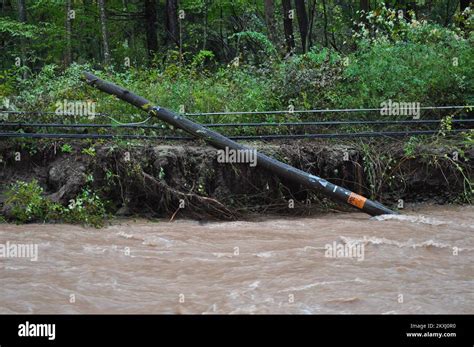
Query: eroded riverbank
[{"x": 187, "y": 181}]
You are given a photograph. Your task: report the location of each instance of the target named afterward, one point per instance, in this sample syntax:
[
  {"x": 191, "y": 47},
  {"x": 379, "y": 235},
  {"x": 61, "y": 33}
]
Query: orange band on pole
[{"x": 356, "y": 200}]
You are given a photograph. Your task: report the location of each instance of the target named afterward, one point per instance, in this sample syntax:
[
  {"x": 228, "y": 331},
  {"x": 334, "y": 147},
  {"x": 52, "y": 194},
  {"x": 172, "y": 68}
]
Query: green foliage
[
  {"x": 26, "y": 203},
  {"x": 7, "y": 83},
  {"x": 398, "y": 59},
  {"x": 259, "y": 38},
  {"x": 388, "y": 24},
  {"x": 161, "y": 175},
  {"x": 66, "y": 148},
  {"x": 86, "y": 208},
  {"x": 52, "y": 85},
  {"x": 89, "y": 151},
  {"x": 446, "y": 125},
  {"x": 18, "y": 29},
  {"x": 410, "y": 147},
  {"x": 418, "y": 62},
  {"x": 305, "y": 79},
  {"x": 203, "y": 57}
]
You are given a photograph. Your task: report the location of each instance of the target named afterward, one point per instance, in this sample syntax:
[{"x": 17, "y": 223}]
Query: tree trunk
[
  {"x": 172, "y": 26},
  {"x": 270, "y": 19},
  {"x": 68, "y": 53},
  {"x": 288, "y": 26},
  {"x": 326, "y": 40},
  {"x": 105, "y": 34},
  {"x": 22, "y": 11},
  {"x": 448, "y": 17},
  {"x": 302, "y": 22},
  {"x": 312, "y": 13},
  {"x": 23, "y": 43},
  {"x": 204, "y": 33},
  {"x": 151, "y": 28},
  {"x": 217, "y": 140},
  {"x": 364, "y": 10}
]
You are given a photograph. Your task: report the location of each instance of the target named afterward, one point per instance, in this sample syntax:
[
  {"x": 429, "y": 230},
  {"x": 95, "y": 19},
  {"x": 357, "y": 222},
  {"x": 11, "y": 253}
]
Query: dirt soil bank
[{"x": 158, "y": 179}]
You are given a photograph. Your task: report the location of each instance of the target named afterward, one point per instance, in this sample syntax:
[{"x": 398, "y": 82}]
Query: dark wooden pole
[{"x": 217, "y": 140}]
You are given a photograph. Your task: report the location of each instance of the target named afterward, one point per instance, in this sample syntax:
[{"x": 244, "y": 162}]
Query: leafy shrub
[
  {"x": 305, "y": 79},
  {"x": 90, "y": 151},
  {"x": 66, "y": 148},
  {"x": 411, "y": 61},
  {"x": 86, "y": 208},
  {"x": 202, "y": 58},
  {"x": 26, "y": 203},
  {"x": 268, "y": 49}
]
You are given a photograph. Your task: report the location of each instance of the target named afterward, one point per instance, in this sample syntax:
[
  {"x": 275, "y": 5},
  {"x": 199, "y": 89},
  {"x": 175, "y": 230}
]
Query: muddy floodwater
[{"x": 421, "y": 262}]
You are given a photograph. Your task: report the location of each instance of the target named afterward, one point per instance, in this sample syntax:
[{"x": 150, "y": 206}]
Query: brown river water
[{"x": 420, "y": 262}]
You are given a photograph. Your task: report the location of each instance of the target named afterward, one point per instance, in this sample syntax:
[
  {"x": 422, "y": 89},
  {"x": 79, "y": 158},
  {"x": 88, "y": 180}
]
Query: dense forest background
[
  {"x": 152, "y": 32},
  {"x": 215, "y": 55}
]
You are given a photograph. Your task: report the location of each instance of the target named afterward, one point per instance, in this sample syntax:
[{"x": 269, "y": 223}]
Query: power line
[
  {"x": 245, "y": 137},
  {"x": 90, "y": 136},
  {"x": 80, "y": 125},
  {"x": 315, "y": 111},
  {"x": 325, "y": 123},
  {"x": 197, "y": 114},
  {"x": 345, "y": 135},
  {"x": 210, "y": 125}
]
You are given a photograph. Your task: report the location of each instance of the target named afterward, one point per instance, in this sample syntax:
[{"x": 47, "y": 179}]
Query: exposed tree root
[{"x": 199, "y": 205}]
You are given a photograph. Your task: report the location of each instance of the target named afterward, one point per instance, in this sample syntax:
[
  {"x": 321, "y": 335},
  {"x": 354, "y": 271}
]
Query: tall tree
[
  {"x": 205, "y": 25},
  {"x": 69, "y": 15},
  {"x": 172, "y": 25},
  {"x": 288, "y": 26},
  {"x": 22, "y": 18},
  {"x": 269, "y": 7},
  {"x": 151, "y": 27},
  {"x": 325, "y": 29},
  {"x": 364, "y": 6},
  {"x": 105, "y": 34},
  {"x": 312, "y": 13},
  {"x": 302, "y": 22},
  {"x": 22, "y": 11}
]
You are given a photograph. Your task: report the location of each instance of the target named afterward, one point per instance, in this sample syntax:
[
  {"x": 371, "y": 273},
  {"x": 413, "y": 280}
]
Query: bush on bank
[{"x": 26, "y": 203}]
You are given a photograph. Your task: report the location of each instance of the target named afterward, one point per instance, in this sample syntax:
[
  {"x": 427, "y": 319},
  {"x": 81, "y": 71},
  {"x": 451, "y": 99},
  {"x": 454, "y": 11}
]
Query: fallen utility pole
[{"x": 219, "y": 141}]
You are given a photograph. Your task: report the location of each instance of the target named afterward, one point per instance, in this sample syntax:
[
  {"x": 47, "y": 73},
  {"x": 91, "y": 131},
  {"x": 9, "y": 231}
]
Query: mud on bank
[{"x": 158, "y": 180}]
